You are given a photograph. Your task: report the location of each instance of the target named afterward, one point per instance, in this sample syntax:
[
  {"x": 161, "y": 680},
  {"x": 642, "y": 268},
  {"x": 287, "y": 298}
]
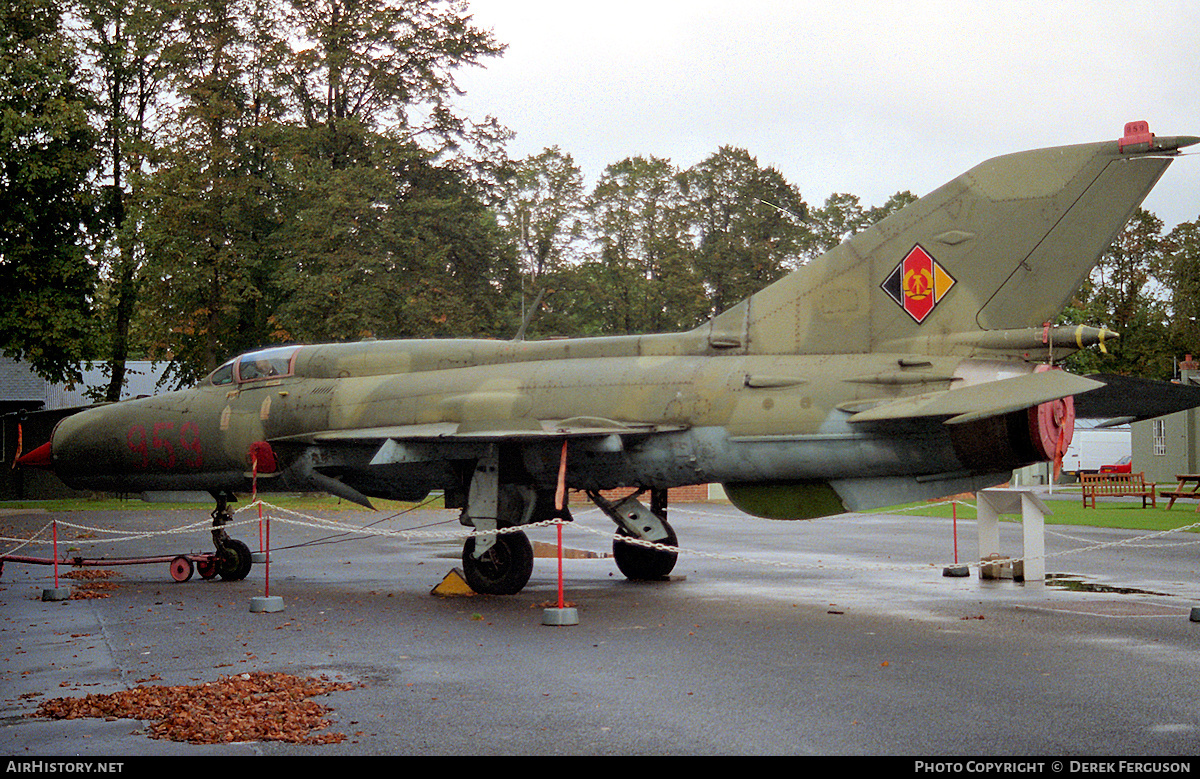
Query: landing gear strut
[
  {"x": 232, "y": 560},
  {"x": 500, "y": 564}
]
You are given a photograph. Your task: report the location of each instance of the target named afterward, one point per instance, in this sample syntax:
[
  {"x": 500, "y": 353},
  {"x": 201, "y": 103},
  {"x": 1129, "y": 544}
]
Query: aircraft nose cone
[{"x": 38, "y": 458}]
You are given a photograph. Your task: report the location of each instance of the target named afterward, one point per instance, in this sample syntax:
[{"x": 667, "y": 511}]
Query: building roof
[{"x": 21, "y": 388}]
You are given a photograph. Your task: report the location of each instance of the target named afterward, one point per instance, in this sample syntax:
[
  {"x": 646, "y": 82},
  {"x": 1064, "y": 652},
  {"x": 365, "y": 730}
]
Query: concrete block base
[
  {"x": 266, "y": 604},
  {"x": 56, "y": 593},
  {"x": 567, "y": 616}
]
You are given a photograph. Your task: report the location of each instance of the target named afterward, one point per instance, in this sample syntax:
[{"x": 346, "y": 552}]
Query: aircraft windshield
[
  {"x": 267, "y": 364},
  {"x": 222, "y": 375}
]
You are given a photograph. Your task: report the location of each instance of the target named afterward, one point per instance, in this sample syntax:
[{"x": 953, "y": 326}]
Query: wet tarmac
[{"x": 831, "y": 637}]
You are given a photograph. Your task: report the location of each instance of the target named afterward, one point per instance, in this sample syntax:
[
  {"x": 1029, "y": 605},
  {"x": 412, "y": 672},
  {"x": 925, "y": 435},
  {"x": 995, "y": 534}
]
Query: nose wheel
[{"x": 232, "y": 560}]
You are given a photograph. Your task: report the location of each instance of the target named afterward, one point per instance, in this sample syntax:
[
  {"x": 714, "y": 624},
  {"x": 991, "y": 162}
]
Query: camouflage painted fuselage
[{"x": 903, "y": 364}]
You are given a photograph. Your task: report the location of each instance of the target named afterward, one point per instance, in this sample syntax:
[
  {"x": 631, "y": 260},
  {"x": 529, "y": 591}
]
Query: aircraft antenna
[{"x": 520, "y": 336}]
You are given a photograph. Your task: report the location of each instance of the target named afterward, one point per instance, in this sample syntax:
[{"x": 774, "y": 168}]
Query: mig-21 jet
[{"x": 913, "y": 361}]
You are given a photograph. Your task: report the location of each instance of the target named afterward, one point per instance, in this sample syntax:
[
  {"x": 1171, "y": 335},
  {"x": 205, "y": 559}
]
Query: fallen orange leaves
[{"x": 246, "y": 707}]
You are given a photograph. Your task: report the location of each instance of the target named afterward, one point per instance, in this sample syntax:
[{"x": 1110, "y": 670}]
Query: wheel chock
[{"x": 453, "y": 585}]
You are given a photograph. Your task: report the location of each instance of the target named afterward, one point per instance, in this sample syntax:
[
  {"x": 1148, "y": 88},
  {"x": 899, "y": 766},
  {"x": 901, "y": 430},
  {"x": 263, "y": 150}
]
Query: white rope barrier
[{"x": 298, "y": 519}]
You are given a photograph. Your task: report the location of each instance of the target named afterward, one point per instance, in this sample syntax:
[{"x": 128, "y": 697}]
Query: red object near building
[{"x": 1124, "y": 465}]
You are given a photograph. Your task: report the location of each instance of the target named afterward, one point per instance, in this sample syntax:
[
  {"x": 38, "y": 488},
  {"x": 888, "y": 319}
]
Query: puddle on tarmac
[{"x": 1076, "y": 583}]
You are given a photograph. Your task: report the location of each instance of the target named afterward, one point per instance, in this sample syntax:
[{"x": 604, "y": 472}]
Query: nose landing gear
[{"x": 232, "y": 560}]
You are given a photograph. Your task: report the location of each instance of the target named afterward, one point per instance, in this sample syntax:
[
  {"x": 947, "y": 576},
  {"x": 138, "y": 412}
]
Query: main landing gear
[
  {"x": 232, "y": 560},
  {"x": 500, "y": 563},
  {"x": 637, "y": 561},
  {"x": 504, "y": 569},
  {"x": 499, "y": 560}
]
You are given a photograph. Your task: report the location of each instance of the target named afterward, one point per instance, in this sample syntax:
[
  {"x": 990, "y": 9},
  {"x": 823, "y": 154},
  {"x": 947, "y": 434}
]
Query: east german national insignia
[{"x": 918, "y": 284}]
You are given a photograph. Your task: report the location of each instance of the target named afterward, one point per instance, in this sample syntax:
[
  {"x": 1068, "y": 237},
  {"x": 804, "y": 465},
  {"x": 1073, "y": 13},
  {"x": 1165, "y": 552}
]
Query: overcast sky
[{"x": 846, "y": 96}]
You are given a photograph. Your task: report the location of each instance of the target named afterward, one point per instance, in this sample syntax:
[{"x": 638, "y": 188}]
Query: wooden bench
[
  {"x": 1180, "y": 490},
  {"x": 1112, "y": 485}
]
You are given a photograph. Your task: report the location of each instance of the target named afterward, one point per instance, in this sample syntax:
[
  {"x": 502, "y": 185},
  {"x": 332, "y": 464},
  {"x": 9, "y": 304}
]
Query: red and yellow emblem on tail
[{"x": 918, "y": 283}]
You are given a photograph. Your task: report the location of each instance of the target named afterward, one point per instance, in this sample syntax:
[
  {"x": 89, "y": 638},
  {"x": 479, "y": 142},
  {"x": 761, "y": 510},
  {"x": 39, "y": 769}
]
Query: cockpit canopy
[{"x": 276, "y": 362}]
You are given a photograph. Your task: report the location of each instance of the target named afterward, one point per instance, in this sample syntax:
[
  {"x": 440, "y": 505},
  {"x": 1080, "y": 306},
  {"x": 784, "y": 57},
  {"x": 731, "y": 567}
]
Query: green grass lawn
[{"x": 1068, "y": 509}]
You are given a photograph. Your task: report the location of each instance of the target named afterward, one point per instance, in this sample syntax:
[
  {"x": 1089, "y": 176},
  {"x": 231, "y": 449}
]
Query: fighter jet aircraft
[{"x": 912, "y": 361}]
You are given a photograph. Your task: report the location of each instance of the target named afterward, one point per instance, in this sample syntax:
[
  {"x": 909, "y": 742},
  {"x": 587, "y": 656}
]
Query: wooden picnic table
[{"x": 1188, "y": 487}]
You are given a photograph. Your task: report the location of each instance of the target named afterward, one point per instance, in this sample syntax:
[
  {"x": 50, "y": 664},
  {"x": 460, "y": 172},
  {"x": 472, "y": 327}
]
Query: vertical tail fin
[{"x": 1001, "y": 247}]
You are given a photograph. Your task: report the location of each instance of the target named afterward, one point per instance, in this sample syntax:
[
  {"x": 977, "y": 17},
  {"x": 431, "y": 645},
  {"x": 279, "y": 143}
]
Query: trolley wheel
[
  {"x": 207, "y": 567},
  {"x": 181, "y": 569}
]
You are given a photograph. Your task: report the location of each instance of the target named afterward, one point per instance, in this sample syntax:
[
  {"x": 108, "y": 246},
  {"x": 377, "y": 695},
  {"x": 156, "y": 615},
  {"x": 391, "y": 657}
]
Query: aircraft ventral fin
[{"x": 980, "y": 401}]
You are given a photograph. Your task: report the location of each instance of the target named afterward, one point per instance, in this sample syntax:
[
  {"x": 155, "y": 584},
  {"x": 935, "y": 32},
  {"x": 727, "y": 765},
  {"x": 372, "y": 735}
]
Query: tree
[
  {"x": 373, "y": 153},
  {"x": 460, "y": 273},
  {"x": 1125, "y": 293},
  {"x": 47, "y": 160},
  {"x": 379, "y": 64},
  {"x": 127, "y": 45},
  {"x": 395, "y": 248},
  {"x": 842, "y": 216},
  {"x": 210, "y": 209},
  {"x": 541, "y": 208},
  {"x": 1127, "y": 272},
  {"x": 748, "y": 222},
  {"x": 1182, "y": 260},
  {"x": 314, "y": 180},
  {"x": 638, "y": 218},
  {"x": 893, "y": 204}
]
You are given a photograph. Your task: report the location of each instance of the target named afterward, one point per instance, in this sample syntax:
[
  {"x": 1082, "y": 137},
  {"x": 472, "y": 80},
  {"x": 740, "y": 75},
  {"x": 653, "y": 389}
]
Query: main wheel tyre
[
  {"x": 502, "y": 570},
  {"x": 233, "y": 560},
  {"x": 641, "y": 563}
]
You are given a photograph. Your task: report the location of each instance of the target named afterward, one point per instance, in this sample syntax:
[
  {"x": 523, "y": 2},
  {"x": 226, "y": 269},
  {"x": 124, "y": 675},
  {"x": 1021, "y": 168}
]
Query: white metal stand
[{"x": 991, "y": 504}]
